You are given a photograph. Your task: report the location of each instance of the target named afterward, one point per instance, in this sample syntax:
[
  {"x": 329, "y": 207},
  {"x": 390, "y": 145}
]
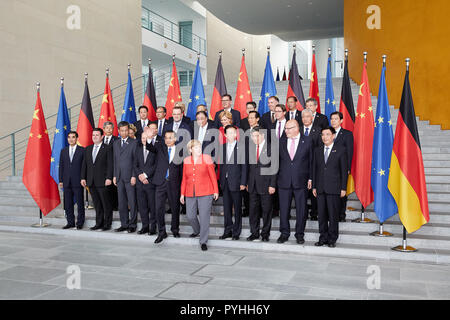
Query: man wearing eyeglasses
[{"x": 226, "y": 104}]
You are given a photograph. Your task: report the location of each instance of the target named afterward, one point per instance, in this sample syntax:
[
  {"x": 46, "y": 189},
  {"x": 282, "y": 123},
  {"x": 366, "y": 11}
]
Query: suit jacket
[
  {"x": 244, "y": 124},
  {"x": 315, "y": 134},
  {"x": 331, "y": 177},
  {"x": 184, "y": 119},
  {"x": 320, "y": 121},
  {"x": 266, "y": 121},
  {"x": 199, "y": 179},
  {"x": 111, "y": 141},
  {"x": 139, "y": 129},
  {"x": 345, "y": 139},
  {"x": 295, "y": 173},
  {"x": 183, "y": 125},
  {"x": 70, "y": 172},
  {"x": 233, "y": 172},
  {"x": 162, "y": 164},
  {"x": 164, "y": 128},
  {"x": 124, "y": 159},
  {"x": 95, "y": 173},
  {"x": 298, "y": 116},
  {"x": 257, "y": 182},
  {"x": 209, "y": 135},
  {"x": 141, "y": 166},
  {"x": 236, "y": 118}
]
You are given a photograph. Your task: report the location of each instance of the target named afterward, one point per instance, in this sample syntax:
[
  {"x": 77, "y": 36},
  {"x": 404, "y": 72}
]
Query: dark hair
[
  {"x": 311, "y": 100},
  {"x": 227, "y": 95},
  {"x": 155, "y": 123},
  {"x": 142, "y": 107},
  {"x": 253, "y": 103},
  {"x": 329, "y": 128},
  {"x": 123, "y": 124},
  {"x": 274, "y": 97},
  {"x": 341, "y": 116},
  {"x": 164, "y": 108},
  {"x": 228, "y": 127},
  {"x": 282, "y": 106},
  {"x": 73, "y": 132},
  {"x": 293, "y": 97},
  {"x": 201, "y": 112},
  {"x": 170, "y": 131},
  {"x": 178, "y": 107},
  {"x": 256, "y": 114},
  {"x": 99, "y": 130}
]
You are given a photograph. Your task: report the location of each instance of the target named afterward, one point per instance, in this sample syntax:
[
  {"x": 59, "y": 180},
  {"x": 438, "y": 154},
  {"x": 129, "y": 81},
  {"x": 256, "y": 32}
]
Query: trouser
[
  {"x": 285, "y": 208},
  {"x": 343, "y": 207},
  {"x": 102, "y": 205},
  {"x": 245, "y": 197},
  {"x": 146, "y": 205},
  {"x": 112, "y": 192},
  {"x": 230, "y": 199},
  {"x": 127, "y": 204},
  {"x": 199, "y": 224},
  {"x": 162, "y": 193},
  {"x": 69, "y": 194},
  {"x": 263, "y": 202},
  {"x": 329, "y": 208},
  {"x": 313, "y": 212}
]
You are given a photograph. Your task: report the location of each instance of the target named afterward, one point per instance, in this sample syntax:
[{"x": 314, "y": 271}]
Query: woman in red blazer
[{"x": 198, "y": 189}]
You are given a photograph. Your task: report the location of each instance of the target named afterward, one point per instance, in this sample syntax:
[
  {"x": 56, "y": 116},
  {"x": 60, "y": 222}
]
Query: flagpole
[
  {"x": 381, "y": 232},
  {"x": 41, "y": 223},
  {"x": 62, "y": 86},
  {"x": 87, "y": 192},
  {"x": 404, "y": 247}
]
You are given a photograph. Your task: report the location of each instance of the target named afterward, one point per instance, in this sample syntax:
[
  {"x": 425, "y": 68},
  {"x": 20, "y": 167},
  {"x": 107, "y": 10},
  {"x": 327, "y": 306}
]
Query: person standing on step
[
  {"x": 142, "y": 122},
  {"x": 108, "y": 140}
]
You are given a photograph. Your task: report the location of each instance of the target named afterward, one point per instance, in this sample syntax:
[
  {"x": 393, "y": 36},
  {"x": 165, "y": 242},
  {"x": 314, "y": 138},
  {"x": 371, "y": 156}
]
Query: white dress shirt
[
  {"x": 172, "y": 153},
  {"x": 281, "y": 123},
  {"x": 202, "y": 133},
  {"x": 309, "y": 129},
  {"x": 296, "y": 141},
  {"x": 72, "y": 151}
]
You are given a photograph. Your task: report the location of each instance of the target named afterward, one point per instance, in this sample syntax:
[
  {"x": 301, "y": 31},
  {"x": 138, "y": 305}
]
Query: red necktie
[{"x": 257, "y": 152}]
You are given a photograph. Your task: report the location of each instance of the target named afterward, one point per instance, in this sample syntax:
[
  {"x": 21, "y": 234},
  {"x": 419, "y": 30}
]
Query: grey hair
[
  {"x": 307, "y": 110},
  {"x": 106, "y": 123}
]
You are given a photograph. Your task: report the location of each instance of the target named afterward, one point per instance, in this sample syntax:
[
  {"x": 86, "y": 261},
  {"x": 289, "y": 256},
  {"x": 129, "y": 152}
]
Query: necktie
[
  {"x": 175, "y": 127},
  {"x": 167, "y": 173},
  {"x": 94, "y": 155},
  {"x": 292, "y": 149},
  {"x": 326, "y": 154},
  {"x": 107, "y": 140},
  {"x": 279, "y": 129},
  {"x": 153, "y": 141},
  {"x": 123, "y": 142},
  {"x": 292, "y": 115},
  {"x": 71, "y": 154},
  {"x": 307, "y": 132},
  {"x": 273, "y": 117},
  {"x": 160, "y": 128},
  {"x": 145, "y": 154},
  {"x": 257, "y": 152}
]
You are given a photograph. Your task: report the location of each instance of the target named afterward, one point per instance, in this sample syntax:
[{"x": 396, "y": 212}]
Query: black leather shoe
[
  {"x": 204, "y": 247},
  {"x": 121, "y": 229},
  {"x": 176, "y": 234},
  {"x": 300, "y": 240},
  {"x": 68, "y": 226},
  {"x": 282, "y": 239},
  {"x": 193, "y": 235},
  {"x": 142, "y": 231},
  {"x": 332, "y": 245},
  {"x": 160, "y": 238},
  {"x": 106, "y": 228},
  {"x": 235, "y": 238},
  {"x": 95, "y": 227},
  {"x": 320, "y": 243},
  {"x": 225, "y": 236},
  {"x": 151, "y": 233},
  {"x": 79, "y": 227},
  {"x": 252, "y": 237},
  {"x": 265, "y": 239},
  {"x": 131, "y": 230}
]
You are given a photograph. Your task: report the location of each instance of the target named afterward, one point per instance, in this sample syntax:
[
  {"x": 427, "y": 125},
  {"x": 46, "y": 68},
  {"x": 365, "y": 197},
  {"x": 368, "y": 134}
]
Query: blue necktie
[
  {"x": 307, "y": 132},
  {"x": 167, "y": 173},
  {"x": 160, "y": 128}
]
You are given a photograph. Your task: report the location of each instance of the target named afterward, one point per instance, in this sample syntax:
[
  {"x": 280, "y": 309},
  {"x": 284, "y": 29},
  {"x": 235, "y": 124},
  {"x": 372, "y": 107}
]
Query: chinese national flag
[
  {"x": 243, "y": 94},
  {"x": 36, "y": 169},
  {"x": 363, "y": 141},
  {"x": 174, "y": 92},
  {"x": 107, "y": 112},
  {"x": 150, "y": 97},
  {"x": 220, "y": 88},
  {"x": 314, "y": 84}
]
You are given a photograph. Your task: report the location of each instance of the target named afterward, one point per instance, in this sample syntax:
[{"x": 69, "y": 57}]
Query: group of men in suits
[{"x": 263, "y": 162}]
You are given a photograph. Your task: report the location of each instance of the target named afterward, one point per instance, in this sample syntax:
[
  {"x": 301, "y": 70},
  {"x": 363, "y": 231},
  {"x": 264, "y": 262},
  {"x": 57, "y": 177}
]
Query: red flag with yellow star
[
  {"x": 174, "y": 92},
  {"x": 36, "y": 168},
  {"x": 107, "y": 112},
  {"x": 243, "y": 94},
  {"x": 314, "y": 83},
  {"x": 363, "y": 141}
]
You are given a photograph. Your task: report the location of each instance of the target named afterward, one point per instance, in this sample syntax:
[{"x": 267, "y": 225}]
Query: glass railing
[{"x": 160, "y": 25}]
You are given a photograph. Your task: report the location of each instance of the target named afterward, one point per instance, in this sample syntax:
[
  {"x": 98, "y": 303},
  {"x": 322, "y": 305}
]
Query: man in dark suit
[
  {"x": 167, "y": 177},
  {"x": 203, "y": 131},
  {"x": 145, "y": 190},
  {"x": 233, "y": 179},
  {"x": 292, "y": 112},
  {"x": 70, "y": 162},
  {"x": 280, "y": 121},
  {"x": 108, "y": 140},
  {"x": 313, "y": 133},
  {"x": 226, "y": 104},
  {"x": 181, "y": 129},
  {"x": 97, "y": 173},
  {"x": 330, "y": 174},
  {"x": 268, "y": 119},
  {"x": 343, "y": 138},
  {"x": 202, "y": 107},
  {"x": 294, "y": 178},
  {"x": 319, "y": 121},
  {"x": 250, "y": 106},
  {"x": 142, "y": 122},
  {"x": 125, "y": 178},
  {"x": 184, "y": 119},
  {"x": 261, "y": 184},
  {"x": 161, "y": 121}
]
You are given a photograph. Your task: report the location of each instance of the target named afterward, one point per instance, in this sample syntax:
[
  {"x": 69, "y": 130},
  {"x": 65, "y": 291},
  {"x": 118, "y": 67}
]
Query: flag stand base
[
  {"x": 381, "y": 232},
  {"x": 404, "y": 247},
  {"x": 363, "y": 218},
  {"x": 41, "y": 224}
]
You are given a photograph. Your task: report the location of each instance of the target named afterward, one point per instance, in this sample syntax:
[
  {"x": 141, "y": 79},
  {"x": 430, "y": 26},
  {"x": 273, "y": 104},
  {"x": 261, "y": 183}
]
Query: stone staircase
[{"x": 18, "y": 210}]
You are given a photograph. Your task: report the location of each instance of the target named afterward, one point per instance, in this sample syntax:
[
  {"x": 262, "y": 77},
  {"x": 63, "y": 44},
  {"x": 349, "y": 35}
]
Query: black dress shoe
[
  {"x": 106, "y": 228},
  {"x": 282, "y": 239},
  {"x": 204, "y": 247},
  {"x": 160, "y": 238},
  {"x": 95, "y": 227},
  {"x": 193, "y": 235},
  {"x": 176, "y": 234},
  {"x": 265, "y": 238},
  {"x": 320, "y": 243},
  {"x": 225, "y": 236},
  {"x": 300, "y": 240},
  {"x": 252, "y": 237},
  {"x": 332, "y": 245},
  {"x": 68, "y": 226},
  {"x": 151, "y": 233},
  {"x": 235, "y": 238},
  {"x": 79, "y": 227},
  {"x": 121, "y": 229},
  {"x": 131, "y": 230},
  {"x": 142, "y": 231}
]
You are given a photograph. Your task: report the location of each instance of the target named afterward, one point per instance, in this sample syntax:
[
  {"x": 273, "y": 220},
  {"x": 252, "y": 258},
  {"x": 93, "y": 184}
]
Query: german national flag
[
  {"x": 150, "y": 97},
  {"x": 407, "y": 177},
  {"x": 295, "y": 86},
  {"x": 86, "y": 119},
  {"x": 348, "y": 110},
  {"x": 220, "y": 88}
]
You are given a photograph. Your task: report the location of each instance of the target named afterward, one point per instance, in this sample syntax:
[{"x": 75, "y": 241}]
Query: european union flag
[
  {"x": 330, "y": 103},
  {"x": 197, "y": 93},
  {"x": 60, "y": 137},
  {"x": 129, "y": 110},
  {"x": 268, "y": 88},
  {"x": 383, "y": 140}
]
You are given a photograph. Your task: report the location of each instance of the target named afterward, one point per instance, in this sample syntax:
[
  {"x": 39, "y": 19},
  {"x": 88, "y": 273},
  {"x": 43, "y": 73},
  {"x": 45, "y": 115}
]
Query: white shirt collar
[{"x": 330, "y": 147}]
